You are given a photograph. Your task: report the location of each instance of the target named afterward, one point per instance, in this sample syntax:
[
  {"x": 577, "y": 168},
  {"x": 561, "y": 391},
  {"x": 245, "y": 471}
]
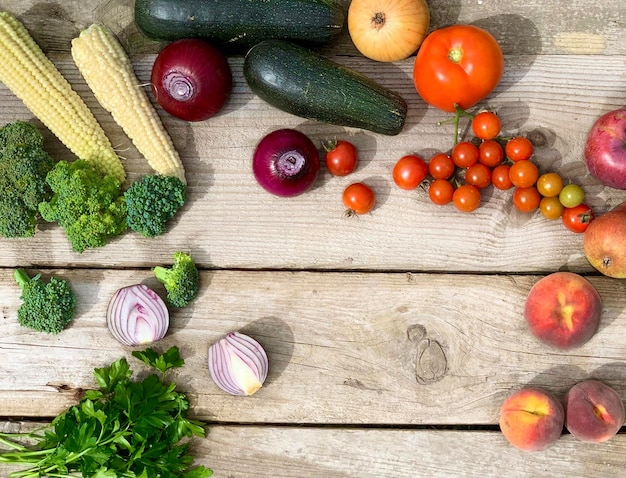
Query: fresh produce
[
  {"x": 388, "y": 30},
  {"x": 237, "y": 25},
  {"x": 563, "y": 310},
  {"x": 33, "y": 78},
  {"x": 457, "y": 66},
  {"x": 526, "y": 199},
  {"x": 152, "y": 201},
  {"x": 191, "y": 79},
  {"x": 486, "y": 125},
  {"x": 594, "y": 412},
  {"x": 409, "y": 172},
  {"x": 307, "y": 84},
  {"x": 571, "y": 195},
  {"x": 238, "y": 364},
  {"x": 532, "y": 419},
  {"x": 125, "y": 428},
  {"x": 441, "y": 191},
  {"x": 577, "y": 218},
  {"x": 24, "y": 165},
  {"x": 604, "y": 242},
  {"x": 108, "y": 71},
  {"x": 605, "y": 149},
  {"x": 136, "y": 315},
  {"x": 341, "y": 157},
  {"x": 466, "y": 198},
  {"x": 286, "y": 162},
  {"x": 519, "y": 148},
  {"x": 46, "y": 306},
  {"x": 181, "y": 279},
  {"x": 90, "y": 207},
  {"x": 358, "y": 198}
]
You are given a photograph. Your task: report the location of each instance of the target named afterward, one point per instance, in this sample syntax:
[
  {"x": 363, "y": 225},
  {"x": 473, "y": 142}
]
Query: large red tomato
[{"x": 457, "y": 65}]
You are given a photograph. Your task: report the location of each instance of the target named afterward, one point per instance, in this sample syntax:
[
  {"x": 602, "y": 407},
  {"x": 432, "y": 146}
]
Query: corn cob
[
  {"x": 108, "y": 71},
  {"x": 34, "y": 79}
]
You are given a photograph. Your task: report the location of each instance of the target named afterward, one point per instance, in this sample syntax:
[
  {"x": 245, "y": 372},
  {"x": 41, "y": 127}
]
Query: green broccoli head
[
  {"x": 152, "y": 201},
  {"x": 181, "y": 280},
  {"x": 90, "y": 207},
  {"x": 20, "y": 133},
  {"x": 23, "y": 170},
  {"x": 46, "y": 306}
]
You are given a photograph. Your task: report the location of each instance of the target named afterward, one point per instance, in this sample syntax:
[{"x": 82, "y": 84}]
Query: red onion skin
[
  {"x": 286, "y": 162},
  {"x": 191, "y": 79}
]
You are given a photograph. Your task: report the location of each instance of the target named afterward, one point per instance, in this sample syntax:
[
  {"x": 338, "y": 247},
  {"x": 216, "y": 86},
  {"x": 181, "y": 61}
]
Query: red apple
[
  {"x": 604, "y": 242},
  {"x": 605, "y": 149},
  {"x": 563, "y": 310}
]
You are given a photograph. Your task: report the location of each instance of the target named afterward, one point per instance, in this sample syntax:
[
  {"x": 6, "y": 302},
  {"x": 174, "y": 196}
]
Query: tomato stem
[{"x": 458, "y": 113}]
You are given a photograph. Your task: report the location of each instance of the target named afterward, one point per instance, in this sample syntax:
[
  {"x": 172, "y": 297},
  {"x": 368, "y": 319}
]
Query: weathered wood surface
[{"x": 380, "y": 328}]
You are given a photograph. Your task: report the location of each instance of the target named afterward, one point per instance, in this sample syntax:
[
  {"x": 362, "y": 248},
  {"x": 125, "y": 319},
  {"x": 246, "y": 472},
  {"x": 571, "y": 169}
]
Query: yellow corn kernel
[
  {"x": 33, "y": 78},
  {"x": 108, "y": 71}
]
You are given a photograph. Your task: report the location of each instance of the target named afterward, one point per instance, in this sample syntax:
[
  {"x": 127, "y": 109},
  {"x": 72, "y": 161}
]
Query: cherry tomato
[
  {"x": 441, "y": 166},
  {"x": 549, "y": 185},
  {"x": 466, "y": 198},
  {"x": 490, "y": 153},
  {"x": 571, "y": 195},
  {"x": 486, "y": 125},
  {"x": 551, "y": 207},
  {"x": 441, "y": 191},
  {"x": 464, "y": 154},
  {"x": 409, "y": 172},
  {"x": 526, "y": 199},
  {"x": 478, "y": 175},
  {"x": 457, "y": 65},
  {"x": 523, "y": 174},
  {"x": 500, "y": 177},
  {"x": 577, "y": 218},
  {"x": 359, "y": 198},
  {"x": 341, "y": 157},
  {"x": 518, "y": 148}
]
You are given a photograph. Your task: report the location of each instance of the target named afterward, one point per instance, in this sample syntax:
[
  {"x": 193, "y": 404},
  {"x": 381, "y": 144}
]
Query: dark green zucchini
[
  {"x": 304, "y": 83},
  {"x": 236, "y": 25}
]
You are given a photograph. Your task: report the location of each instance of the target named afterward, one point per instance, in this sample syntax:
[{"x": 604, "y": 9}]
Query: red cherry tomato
[
  {"x": 441, "y": 166},
  {"x": 359, "y": 198},
  {"x": 524, "y": 174},
  {"x": 478, "y": 175},
  {"x": 466, "y": 198},
  {"x": 500, "y": 177},
  {"x": 441, "y": 191},
  {"x": 486, "y": 125},
  {"x": 518, "y": 148},
  {"x": 526, "y": 199},
  {"x": 409, "y": 172},
  {"x": 577, "y": 218},
  {"x": 341, "y": 157},
  {"x": 457, "y": 65},
  {"x": 490, "y": 153},
  {"x": 464, "y": 154}
]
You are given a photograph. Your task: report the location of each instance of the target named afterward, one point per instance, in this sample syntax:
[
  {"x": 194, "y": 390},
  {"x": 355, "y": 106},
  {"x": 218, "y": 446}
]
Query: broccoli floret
[
  {"x": 181, "y": 280},
  {"x": 90, "y": 207},
  {"x": 152, "y": 201},
  {"x": 24, "y": 165},
  {"x": 20, "y": 132},
  {"x": 46, "y": 306}
]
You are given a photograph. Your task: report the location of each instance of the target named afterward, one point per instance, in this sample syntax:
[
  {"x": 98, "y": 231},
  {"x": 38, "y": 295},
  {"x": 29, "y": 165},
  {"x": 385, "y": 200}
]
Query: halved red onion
[
  {"x": 137, "y": 316},
  {"x": 238, "y": 364}
]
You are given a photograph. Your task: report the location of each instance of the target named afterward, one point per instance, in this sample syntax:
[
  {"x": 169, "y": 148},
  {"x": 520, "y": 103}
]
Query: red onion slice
[
  {"x": 238, "y": 364},
  {"x": 137, "y": 315}
]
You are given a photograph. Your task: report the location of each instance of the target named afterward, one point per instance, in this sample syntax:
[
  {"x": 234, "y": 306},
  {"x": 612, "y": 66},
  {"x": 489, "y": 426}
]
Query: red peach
[
  {"x": 531, "y": 419},
  {"x": 563, "y": 310},
  {"x": 594, "y": 412}
]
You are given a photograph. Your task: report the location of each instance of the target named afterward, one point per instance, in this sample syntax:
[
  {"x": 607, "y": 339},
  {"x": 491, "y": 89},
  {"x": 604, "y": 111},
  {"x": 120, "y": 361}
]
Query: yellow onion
[{"x": 238, "y": 364}]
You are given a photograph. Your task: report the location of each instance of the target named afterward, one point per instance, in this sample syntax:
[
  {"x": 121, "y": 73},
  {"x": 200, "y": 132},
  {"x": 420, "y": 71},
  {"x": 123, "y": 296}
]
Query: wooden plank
[
  {"x": 242, "y": 451},
  {"x": 344, "y": 348}
]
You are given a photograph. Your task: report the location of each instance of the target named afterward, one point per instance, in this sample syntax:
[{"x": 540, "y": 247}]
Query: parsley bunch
[{"x": 124, "y": 429}]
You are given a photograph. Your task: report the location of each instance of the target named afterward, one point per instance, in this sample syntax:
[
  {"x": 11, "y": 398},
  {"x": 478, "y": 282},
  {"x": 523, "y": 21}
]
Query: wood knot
[{"x": 431, "y": 363}]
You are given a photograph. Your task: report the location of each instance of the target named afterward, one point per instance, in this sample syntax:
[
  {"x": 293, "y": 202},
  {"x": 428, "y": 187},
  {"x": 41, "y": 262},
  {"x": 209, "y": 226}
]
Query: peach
[
  {"x": 531, "y": 419},
  {"x": 594, "y": 412},
  {"x": 563, "y": 310}
]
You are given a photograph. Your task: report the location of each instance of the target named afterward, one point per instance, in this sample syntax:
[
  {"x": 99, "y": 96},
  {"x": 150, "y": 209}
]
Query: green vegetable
[
  {"x": 306, "y": 84},
  {"x": 152, "y": 201},
  {"x": 124, "y": 429},
  {"x": 236, "y": 25},
  {"x": 24, "y": 165},
  {"x": 46, "y": 306},
  {"x": 90, "y": 207},
  {"x": 181, "y": 280}
]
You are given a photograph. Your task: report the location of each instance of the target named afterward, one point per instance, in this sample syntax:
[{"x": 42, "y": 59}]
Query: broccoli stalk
[
  {"x": 46, "y": 307},
  {"x": 181, "y": 280}
]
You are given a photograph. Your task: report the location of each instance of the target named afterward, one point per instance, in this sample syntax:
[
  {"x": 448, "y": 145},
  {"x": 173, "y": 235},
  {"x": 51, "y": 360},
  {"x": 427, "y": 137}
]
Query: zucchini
[
  {"x": 306, "y": 84},
  {"x": 236, "y": 25}
]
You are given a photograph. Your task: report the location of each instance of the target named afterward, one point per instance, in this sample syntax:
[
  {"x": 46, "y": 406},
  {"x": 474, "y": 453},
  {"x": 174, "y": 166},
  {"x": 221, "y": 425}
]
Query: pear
[{"x": 604, "y": 242}]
